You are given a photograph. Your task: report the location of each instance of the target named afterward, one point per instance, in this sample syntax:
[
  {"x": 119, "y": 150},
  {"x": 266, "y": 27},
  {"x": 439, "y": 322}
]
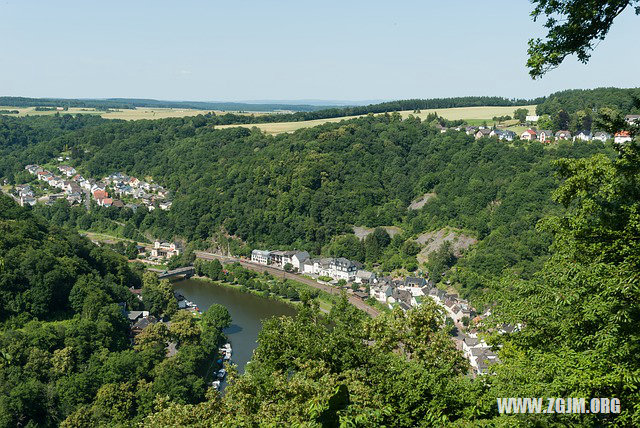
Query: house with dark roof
[
  {"x": 632, "y": 118},
  {"x": 545, "y": 135},
  {"x": 413, "y": 281},
  {"x": 142, "y": 323},
  {"x": 404, "y": 296},
  {"x": 484, "y": 132},
  {"x": 503, "y": 134},
  {"x": 602, "y": 136},
  {"x": 583, "y": 136}
]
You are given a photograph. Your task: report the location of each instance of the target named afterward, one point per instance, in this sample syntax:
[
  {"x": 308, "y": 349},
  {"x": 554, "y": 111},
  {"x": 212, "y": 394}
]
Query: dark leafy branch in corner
[{"x": 573, "y": 27}]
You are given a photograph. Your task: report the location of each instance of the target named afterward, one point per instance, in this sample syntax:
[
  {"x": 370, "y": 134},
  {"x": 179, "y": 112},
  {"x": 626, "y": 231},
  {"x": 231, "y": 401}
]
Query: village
[
  {"x": 115, "y": 190},
  {"x": 546, "y": 135},
  {"x": 405, "y": 293}
]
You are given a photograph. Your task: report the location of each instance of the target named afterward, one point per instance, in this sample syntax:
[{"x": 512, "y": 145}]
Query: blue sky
[{"x": 256, "y": 50}]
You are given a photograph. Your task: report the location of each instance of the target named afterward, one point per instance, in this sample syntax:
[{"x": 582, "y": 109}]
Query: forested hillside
[
  {"x": 573, "y": 100},
  {"x": 65, "y": 346},
  {"x": 65, "y": 349},
  {"x": 308, "y": 189},
  {"x": 577, "y": 110}
]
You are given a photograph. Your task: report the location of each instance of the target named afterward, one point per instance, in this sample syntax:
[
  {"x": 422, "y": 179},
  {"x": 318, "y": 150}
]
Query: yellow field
[
  {"x": 466, "y": 113},
  {"x": 126, "y": 114},
  {"x": 477, "y": 113}
]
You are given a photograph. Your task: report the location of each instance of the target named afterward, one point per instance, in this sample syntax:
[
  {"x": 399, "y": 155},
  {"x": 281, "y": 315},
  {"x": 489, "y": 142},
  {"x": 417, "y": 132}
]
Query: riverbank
[
  {"x": 248, "y": 311},
  {"x": 358, "y": 303},
  {"x": 324, "y": 302}
]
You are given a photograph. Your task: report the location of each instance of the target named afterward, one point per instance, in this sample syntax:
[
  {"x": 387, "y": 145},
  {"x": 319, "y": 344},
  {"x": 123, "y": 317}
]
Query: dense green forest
[
  {"x": 567, "y": 259},
  {"x": 66, "y": 358},
  {"x": 578, "y": 337},
  {"x": 307, "y": 189},
  {"x": 65, "y": 349},
  {"x": 573, "y": 100},
  {"x": 577, "y": 110}
]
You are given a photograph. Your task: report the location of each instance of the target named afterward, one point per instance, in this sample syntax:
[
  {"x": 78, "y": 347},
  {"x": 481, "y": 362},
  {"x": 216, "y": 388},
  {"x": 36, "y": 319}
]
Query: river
[{"x": 247, "y": 312}]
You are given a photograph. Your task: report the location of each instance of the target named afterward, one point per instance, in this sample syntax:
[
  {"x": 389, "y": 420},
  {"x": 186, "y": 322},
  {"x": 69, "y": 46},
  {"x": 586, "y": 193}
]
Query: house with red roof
[
  {"x": 622, "y": 137},
  {"x": 529, "y": 135}
]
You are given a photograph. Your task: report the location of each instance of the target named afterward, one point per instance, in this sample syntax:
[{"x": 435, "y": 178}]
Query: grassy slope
[{"x": 467, "y": 113}]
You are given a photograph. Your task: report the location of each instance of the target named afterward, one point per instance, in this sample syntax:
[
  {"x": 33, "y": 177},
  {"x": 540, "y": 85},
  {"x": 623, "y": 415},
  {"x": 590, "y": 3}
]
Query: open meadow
[
  {"x": 475, "y": 115},
  {"x": 125, "y": 114}
]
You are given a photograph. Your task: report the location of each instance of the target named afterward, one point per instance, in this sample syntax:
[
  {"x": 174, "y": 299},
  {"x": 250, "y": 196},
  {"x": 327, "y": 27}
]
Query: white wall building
[
  {"x": 262, "y": 257},
  {"x": 164, "y": 249},
  {"x": 298, "y": 259}
]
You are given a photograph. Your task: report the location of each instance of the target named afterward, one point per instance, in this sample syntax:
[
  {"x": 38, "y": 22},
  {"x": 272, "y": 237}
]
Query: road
[{"x": 355, "y": 301}]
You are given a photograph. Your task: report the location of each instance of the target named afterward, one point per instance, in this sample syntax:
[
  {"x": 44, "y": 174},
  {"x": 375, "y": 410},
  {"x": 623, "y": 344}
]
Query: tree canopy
[{"x": 574, "y": 27}]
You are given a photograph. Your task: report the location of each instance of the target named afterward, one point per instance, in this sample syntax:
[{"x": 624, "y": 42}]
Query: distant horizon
[
  {"x": 301, "y": 101},
  {"x": 353, "y": 52}
]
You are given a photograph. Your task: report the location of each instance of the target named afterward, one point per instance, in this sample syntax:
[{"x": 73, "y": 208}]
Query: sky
[{"x": 290, "y": 50}]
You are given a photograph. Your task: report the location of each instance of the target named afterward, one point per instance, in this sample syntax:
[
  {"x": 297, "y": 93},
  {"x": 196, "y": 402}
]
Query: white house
[
  {"x": 481, "y": 359},
  {"x": 415, "y": 285},
  {"x": 563, "y": 135},
  {"x": 27, "y": 200},
  {"x": 364, "y": 277},
  {"x": 601, "y": 136},
  {"x": 343, "y": 269},
  {"x": 532, "y": 118},
  {"x": 622, "y": 137},
  {"x": 298, "y": 259},
  {"x": 381, "y": 292},
  {"x": 632, "y": 118},
  {"x": 545, "y": 135},
  {"x": 529, "y": 135},
  {"x": 308, "y": 266},
  {"x": 262, "y": 257},
  {"x": 583, "y": 136},
  {"x": 336, "y": 268},
  {"x": 164, "y": 249}
]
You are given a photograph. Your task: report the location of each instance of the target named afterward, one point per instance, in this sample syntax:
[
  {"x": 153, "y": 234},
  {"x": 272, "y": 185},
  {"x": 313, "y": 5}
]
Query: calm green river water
[{"x": 247, "y": 313}]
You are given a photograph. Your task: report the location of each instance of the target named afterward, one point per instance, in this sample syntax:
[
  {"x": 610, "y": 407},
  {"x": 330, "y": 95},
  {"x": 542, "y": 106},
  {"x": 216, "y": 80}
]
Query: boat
[{"x": 221, "y": 374}]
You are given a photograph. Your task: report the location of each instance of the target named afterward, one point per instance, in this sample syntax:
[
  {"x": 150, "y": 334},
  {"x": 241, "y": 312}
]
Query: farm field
[
  {"x": 125, "y": 114},
  {"x": 473, "y": 114}
]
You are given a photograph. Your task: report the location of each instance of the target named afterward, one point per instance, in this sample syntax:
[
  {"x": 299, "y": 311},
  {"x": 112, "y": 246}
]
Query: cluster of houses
[
  {"x": 405, "y": 293},
  {"x": 412, "y": 291},
  {"x": 336, "y": 268},
  {"x": 501, "y": 134},
  {"x": 25, "y": 195},
  {"x": 150, "y": 194},
  {"x": 66, "y": 182},
  {"x": 547, "y": 136},
  {"x": 74, "y": 185}
]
